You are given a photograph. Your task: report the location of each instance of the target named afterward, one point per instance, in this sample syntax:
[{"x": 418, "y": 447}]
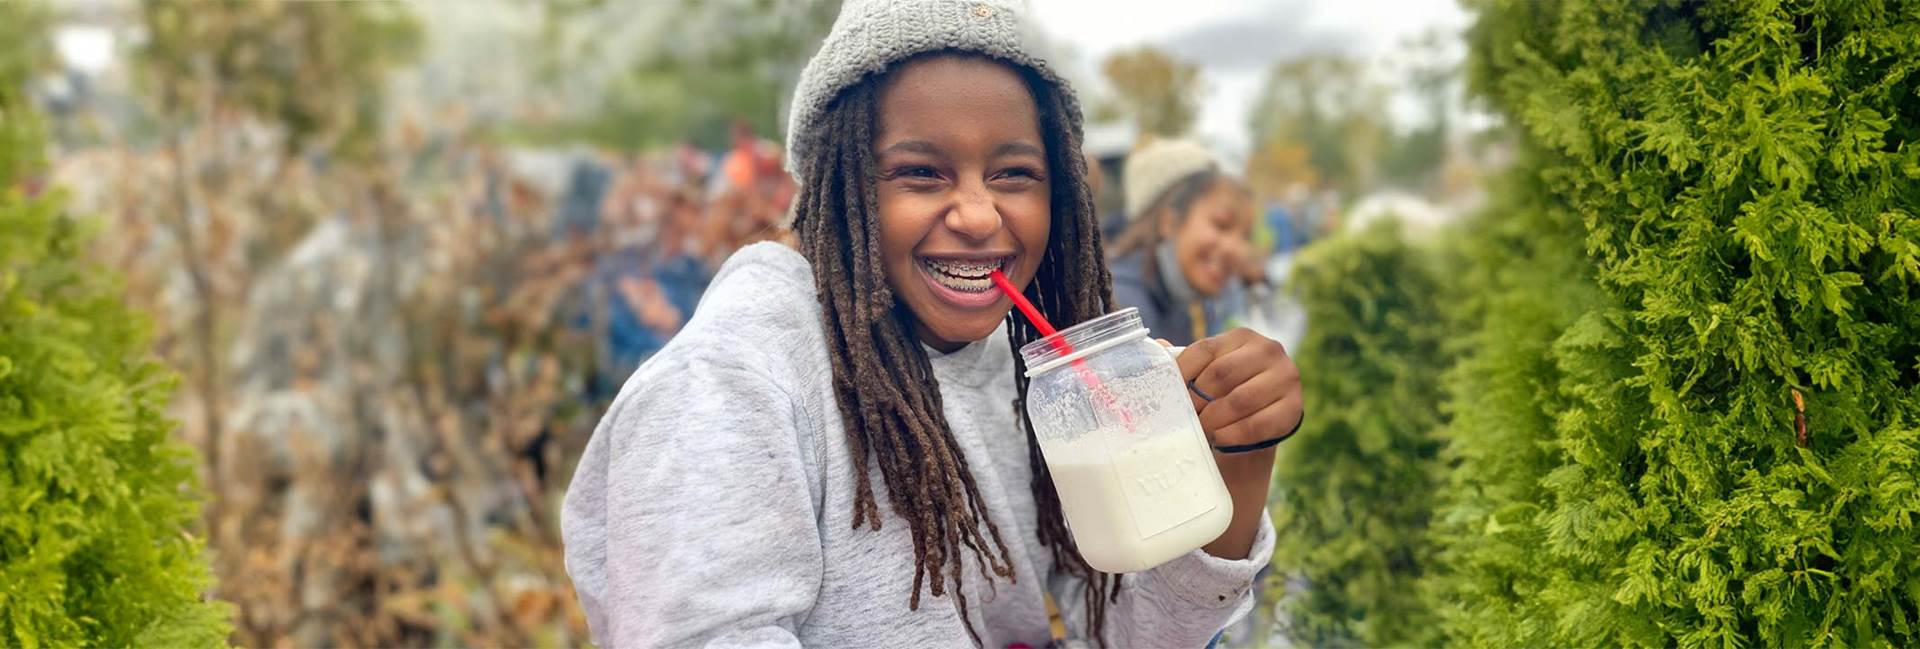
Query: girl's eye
[
  {"x": 916, "y": 171},
  {"x": 1020, "y": 173},
  {"x": 908, "y": 170}
]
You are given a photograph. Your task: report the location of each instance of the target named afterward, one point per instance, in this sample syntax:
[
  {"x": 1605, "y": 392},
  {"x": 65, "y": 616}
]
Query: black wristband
[{"x": 1256, "y": 446}]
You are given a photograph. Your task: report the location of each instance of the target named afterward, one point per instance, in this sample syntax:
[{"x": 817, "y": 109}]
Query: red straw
[
  {"x": 1059, "y": 343},
  {"x": 1033, "y": 314}
]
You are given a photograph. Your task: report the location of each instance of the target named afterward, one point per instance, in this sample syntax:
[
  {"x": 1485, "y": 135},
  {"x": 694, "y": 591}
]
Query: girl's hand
[
  {"x": 1247, "y": 391},
  {"x": 1244, "y": 386},
  {"x": 644, "y": 296}
]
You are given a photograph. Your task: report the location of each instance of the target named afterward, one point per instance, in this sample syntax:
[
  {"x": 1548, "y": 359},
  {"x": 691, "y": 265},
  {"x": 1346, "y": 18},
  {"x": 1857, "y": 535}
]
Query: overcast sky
[{"x": 1234, "y": 41}]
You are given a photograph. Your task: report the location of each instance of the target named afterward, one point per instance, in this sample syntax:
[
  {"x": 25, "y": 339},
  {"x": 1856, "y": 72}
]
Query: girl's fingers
[
  {"x": 1235, "y": 381},
  {"x": 1198, "y": 400},
  {"x": 1278, "y": 418},
  {"x": 1243, "y": 361},
  {"x": 1245, "y": 400},
  {"x": 1237, "y": 356},
  {"x": 1197, "y": 356}
]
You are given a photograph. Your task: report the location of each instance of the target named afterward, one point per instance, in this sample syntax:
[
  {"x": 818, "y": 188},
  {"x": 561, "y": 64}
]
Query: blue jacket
[{"x": 1135, "y": 285}]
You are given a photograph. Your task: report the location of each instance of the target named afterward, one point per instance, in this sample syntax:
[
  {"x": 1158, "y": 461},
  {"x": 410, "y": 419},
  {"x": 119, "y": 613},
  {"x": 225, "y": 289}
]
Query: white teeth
[
  {"x": 966, "y": 277},
  {"x": 963, "y": 268}
]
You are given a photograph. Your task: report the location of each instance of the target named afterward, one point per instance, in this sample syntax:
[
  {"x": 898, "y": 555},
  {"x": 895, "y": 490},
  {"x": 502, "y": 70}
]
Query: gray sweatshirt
[{"x": 714, "y": 504}]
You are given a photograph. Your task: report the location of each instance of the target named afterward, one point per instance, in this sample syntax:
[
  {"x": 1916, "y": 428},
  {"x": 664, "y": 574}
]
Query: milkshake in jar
[{"x": 1133, "y": 469}]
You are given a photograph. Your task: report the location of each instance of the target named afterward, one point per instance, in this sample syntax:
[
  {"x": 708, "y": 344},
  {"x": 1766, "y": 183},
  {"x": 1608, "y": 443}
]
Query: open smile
[{"x": 964, "y": 282}]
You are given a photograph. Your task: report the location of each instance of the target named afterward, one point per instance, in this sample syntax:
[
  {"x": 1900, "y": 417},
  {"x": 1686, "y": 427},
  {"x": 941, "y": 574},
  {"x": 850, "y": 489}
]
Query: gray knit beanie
[
  {"x": 1156, "y": 167},
  {"x": 871, "y": 35}
]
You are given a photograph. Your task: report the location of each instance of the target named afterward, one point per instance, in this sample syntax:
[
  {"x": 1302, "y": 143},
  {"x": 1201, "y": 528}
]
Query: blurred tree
[
  {"x": 1278, "y": 165},
  {"x": 24, "y": 53},
  {"x": 710, "y": 64},
  {"x": 1160, "y": 93},
  {"x": 1354, "y": 496},
  {"x": 97, "y": 501},
  {"x": 1326, "y": 104},
  {"x": 313, "y": 67},
  {"x": 1518, "y": 282},
  {"x": 308, "y": 79},
  {"x": 560, "y": 42},
  {"x": 1415, "y": 157}
]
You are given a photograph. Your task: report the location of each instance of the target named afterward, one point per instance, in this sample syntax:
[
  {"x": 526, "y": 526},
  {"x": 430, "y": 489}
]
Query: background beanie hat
[{"x": 1156, "y": 167}]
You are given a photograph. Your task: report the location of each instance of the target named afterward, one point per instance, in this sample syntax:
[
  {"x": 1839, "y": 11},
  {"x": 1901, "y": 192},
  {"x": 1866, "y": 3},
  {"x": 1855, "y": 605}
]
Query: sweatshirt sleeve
[
  {"x": 691, "y": 519},
  {"x": 1181, "y": 603}
]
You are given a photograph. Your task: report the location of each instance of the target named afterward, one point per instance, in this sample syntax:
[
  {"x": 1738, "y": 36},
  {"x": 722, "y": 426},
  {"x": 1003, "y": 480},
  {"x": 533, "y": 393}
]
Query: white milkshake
[
  {"x": 1158, "y": 497},
  {"x": 1133, "y": 470}
]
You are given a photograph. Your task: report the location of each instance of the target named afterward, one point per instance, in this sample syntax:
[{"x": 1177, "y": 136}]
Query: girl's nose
[{"x": 974, "y": 216}]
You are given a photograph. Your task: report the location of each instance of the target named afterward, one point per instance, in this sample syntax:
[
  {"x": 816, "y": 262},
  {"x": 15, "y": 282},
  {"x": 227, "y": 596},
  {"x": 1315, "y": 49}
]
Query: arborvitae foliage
[
  {"x": 96, "y": 502},
  {"x": 1519, "y": 282},
  {"x": 1734, "y": 441},
  {"x": 1353, "y": 497}
]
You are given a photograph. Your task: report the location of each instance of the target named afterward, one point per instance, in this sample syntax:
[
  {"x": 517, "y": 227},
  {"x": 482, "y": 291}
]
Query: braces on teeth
[{"x": 970, "y": 277}]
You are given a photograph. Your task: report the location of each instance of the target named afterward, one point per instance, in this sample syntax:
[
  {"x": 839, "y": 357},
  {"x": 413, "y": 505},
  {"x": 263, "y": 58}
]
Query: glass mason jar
[{"x": 1134, "y": 471}]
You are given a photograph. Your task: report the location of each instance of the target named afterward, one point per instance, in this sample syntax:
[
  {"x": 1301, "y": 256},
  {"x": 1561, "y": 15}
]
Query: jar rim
[{"x": 1082, "y": 340}]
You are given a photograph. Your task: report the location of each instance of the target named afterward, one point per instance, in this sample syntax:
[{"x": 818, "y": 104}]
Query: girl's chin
[
  {"x": 1210, "y": 285},
  {"x": 1206, "y": 290},
  {"x": 949, "y": 336}
]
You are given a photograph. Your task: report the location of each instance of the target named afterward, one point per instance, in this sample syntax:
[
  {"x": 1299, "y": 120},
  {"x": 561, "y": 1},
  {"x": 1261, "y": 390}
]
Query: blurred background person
[{"x": 1187, "y": 238}]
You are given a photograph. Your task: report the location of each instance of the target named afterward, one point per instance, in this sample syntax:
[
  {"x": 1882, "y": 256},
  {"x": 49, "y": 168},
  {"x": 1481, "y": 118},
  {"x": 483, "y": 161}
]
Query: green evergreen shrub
[
  {"x": 96, "y": 501},
  {"x": 1735, "y": 424},
  {"x": 1353, "y": 496},
  {"x": 1520, "y": 282}
]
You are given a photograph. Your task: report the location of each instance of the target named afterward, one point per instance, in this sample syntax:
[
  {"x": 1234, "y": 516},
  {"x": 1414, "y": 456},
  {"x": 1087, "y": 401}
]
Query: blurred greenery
[
  {"x": 1160, "y": 93},
  {"x": 1323, "y": 103},
  {"x": 1414, "y": 157},
  {"x": 722, "y": 62},
  {"x": 23, "y": 53},
  {"x": 1354, "y": 496},
  {"x": 304, "y": 65},
  {"x": 1322, "y": 117}
]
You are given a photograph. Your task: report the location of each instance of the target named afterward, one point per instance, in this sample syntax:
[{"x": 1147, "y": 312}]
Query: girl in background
[{"x": 1187, "y": 240}]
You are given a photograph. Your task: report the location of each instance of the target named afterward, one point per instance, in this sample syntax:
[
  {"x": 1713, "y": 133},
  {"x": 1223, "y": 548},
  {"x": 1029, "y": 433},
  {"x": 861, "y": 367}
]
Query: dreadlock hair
[{"x": 883, "y": 382}]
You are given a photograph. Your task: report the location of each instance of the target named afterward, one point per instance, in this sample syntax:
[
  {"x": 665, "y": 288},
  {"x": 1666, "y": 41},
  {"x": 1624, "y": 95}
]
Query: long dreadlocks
[{"x": 882, "y": 379}]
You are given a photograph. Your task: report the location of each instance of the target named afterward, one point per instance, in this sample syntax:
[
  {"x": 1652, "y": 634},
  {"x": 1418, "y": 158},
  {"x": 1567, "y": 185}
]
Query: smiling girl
[
  {"x": 831, "y": 453},
  {"x": 1186, "y": 241}
]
